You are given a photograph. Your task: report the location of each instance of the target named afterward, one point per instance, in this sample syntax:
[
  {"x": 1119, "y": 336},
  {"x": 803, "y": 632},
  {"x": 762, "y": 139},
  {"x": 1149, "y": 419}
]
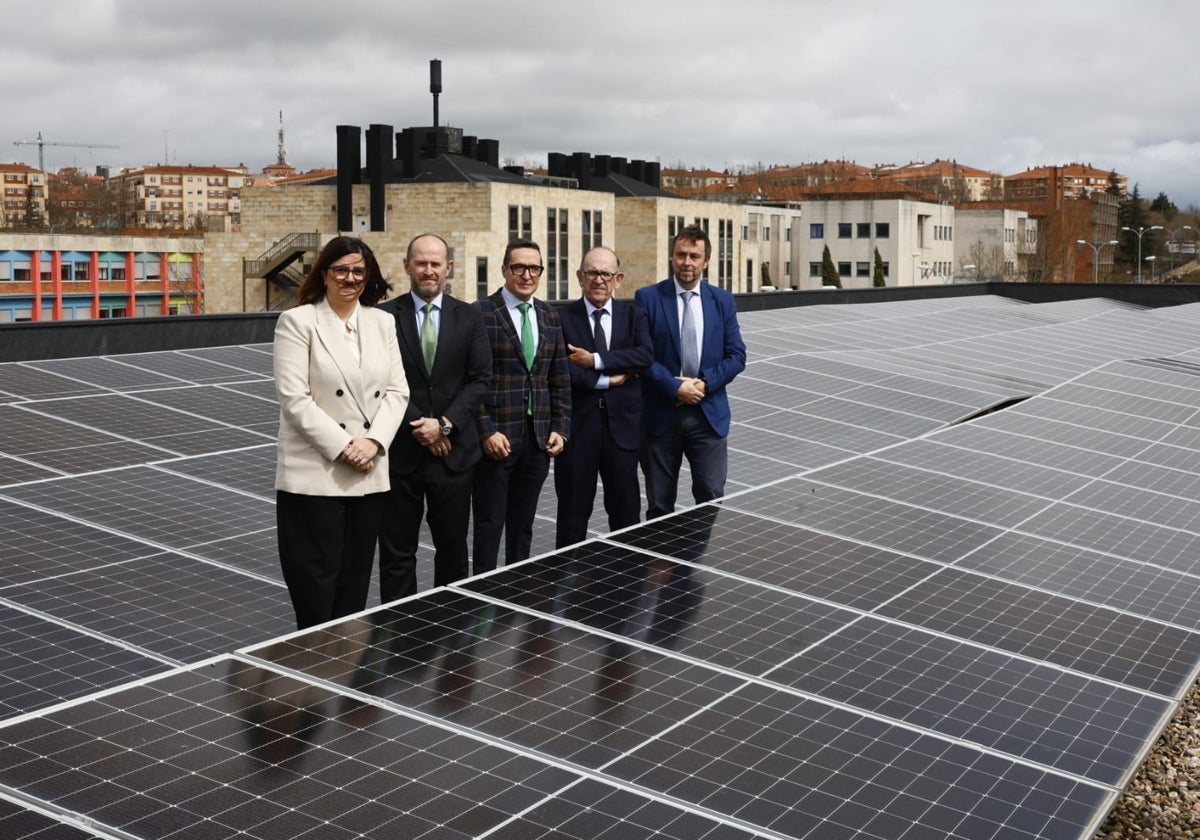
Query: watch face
[{"x": 446, "y": 430}]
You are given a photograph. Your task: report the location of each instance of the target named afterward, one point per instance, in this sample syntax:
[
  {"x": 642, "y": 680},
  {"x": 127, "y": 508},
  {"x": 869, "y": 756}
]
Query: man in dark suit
[
  {"x": 448, "y": 362},
  {"x": 608, "y": 345},
  {"x": 698, "y": 350},
  {"x": 526, "y": 414}
]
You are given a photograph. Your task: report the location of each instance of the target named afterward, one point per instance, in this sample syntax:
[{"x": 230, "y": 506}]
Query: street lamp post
[
  {"x": 1141, "y": 231},
  {"x": 1152, "y": 259},
  {"x": 1096, "y": 246}
]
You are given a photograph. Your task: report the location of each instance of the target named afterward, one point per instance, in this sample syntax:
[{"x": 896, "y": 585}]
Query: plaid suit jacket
[{"x": 503, "y": 407}]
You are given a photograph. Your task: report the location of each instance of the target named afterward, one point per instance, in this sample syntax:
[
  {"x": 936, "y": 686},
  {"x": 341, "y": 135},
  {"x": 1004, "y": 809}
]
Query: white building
[{"x": 915, "y": 240}]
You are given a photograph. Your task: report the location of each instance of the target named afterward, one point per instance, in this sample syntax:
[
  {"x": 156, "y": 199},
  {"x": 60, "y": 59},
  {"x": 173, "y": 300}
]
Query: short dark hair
[
  {"x": 694, "y": 233},
  {"x": 375, "y": 288},
  {"x": 519, "y": 243},
  {"x": 408, "y": 251}
]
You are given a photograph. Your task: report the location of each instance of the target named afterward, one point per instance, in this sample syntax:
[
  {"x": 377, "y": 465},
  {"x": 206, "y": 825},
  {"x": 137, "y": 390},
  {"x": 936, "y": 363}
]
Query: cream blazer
[{"x": 326, "y": 399}]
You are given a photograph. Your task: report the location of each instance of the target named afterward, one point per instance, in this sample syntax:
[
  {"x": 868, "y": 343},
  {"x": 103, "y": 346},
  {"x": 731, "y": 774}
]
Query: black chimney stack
[
  {"x": 435, "y": 85},
  {"x": 349, "y": 172}
]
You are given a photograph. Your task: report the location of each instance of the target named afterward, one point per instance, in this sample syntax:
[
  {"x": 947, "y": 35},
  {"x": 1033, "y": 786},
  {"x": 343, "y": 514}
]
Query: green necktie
[
  {"x": 527, "y": 343},
  {"x": 428, "y": 337},
  {"x": 528, "y": 347}
]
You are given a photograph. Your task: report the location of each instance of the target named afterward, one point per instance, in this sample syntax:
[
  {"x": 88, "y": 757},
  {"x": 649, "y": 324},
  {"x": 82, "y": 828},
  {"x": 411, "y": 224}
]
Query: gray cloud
[{"x": 996, "y": 86}]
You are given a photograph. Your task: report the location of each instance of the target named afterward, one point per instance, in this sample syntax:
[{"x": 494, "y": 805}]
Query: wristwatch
[{"x": 446, "y": 427}]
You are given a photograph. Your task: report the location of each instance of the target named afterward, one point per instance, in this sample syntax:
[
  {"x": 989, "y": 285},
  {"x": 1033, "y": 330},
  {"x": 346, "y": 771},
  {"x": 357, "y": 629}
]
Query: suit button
[
  {"x": 376, "y": 393},
  {"x": 366, "y": 425},
  {"x": 340, "y": 392},
  {"x": 343, "y": 425}
]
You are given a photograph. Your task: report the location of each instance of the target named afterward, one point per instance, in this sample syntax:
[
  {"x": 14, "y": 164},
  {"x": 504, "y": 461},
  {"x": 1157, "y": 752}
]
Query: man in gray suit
[{"x": 448, "y": 362}]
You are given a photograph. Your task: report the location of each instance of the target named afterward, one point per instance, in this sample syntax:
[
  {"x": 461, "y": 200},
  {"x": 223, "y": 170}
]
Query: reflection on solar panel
[{"x": 898, "y": 626}]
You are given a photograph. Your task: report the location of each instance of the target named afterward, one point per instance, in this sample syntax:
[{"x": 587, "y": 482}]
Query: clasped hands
[
  {"x": 360, "y": 453},
  {"x": 497, "y": 446},
  {"x": 691, "y": 391},
  {"x": 428, "y": 432}
]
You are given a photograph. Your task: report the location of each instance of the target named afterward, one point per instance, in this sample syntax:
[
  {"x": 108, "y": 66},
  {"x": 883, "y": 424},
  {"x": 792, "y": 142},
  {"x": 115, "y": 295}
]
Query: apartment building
[
  {"x": 1058, "y": 183},
  {"x": 182, "y": 197},
  {"x": 24, "y": 199},
  {"x": 946, "y": 180}
]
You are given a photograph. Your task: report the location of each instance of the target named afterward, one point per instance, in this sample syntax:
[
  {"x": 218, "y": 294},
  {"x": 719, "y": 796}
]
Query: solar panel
[{"x": 896, "y": 625}]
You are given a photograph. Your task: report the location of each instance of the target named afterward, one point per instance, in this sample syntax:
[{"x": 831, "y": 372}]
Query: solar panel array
[{"x": 897, "y": 625}]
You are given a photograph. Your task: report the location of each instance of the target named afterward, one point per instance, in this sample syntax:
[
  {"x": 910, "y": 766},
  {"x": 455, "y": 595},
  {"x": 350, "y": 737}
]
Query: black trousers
[
  {"x": 505, "y": 502},
  {"x": 448, "y": 494},
  {"x": 326, "y": 550},
  {"x": 590, "y": 453}
]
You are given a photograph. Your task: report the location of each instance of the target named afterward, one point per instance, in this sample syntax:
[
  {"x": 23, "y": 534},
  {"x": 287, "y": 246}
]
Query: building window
[
  {"x": 481, "y": 278},
  {"x": 864, "y": 230},
  {"x": 862, "y": 269},
  {"x": 886, "y": 269},
  {"x": 787, "y": 269},
  {"x": 745, "y": 232},
  {"x": 787, "y": 234},
  {"x": 843, "y": 269},
  {"x": 593, "y": 235},
  {"x": 556, "y": 254},
  {"x": 766, "y": 234},
  {"x": 814, "y": 269},
  {"x": 816, "y": 231},
  {"x": 725, "y": 254},
  {"x": 520, "y": 222},
  {"x": 883, "y": 230},
  {"x": 845, "y": 230}
]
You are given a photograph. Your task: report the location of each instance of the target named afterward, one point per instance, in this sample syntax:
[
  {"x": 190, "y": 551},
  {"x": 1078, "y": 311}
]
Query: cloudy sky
[{"x": 999, "y": 86}]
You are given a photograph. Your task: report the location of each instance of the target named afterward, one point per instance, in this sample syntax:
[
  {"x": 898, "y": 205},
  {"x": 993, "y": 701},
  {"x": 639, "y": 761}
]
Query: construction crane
[{"x": 41, "y": 144}]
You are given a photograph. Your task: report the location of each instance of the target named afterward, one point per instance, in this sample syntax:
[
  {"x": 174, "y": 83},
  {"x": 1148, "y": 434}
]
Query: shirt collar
[
  {"x": 510, "y": 300},
  {"x": 607, "y": 307},
  {"x": 419, "y": 301},
  {"x": 680, "y": 290}
]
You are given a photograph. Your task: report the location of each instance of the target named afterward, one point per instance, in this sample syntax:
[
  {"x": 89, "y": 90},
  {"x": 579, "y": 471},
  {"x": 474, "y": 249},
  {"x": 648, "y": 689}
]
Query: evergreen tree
[
  {"x": 877, "y": 272},
  {"x": 1162, "y": 204},
  {"x": 1131, "y": 214},
  {"x": 829, "y": 272}
]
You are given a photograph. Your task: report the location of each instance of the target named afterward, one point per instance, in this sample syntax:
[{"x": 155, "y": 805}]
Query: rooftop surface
[{"x": 953, "y": 592}]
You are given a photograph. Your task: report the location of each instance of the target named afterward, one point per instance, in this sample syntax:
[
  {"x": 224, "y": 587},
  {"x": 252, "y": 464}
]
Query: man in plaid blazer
[{"x": 525, "y": 416}]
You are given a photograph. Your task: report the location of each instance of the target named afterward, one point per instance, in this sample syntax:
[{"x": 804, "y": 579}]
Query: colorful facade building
[{"x": 75, "y": 277}]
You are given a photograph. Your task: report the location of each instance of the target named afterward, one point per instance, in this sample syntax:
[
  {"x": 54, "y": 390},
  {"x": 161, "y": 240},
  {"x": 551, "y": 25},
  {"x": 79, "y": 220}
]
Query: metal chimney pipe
[{"x": 435, "y": 85}]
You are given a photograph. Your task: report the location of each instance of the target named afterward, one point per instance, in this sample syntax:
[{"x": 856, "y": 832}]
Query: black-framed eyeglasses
[
  {"x": 343, "y": 272},
  {"x": 531, "y": 270},
  {"x": 606, "y": 276}
]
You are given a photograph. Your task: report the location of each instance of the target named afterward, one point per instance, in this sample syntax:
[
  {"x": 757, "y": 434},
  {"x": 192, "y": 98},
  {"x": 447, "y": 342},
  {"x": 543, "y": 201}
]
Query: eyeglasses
[
  {"x": 531, "y": 270},
  {"x": 593, "y": 274},
  {"x": 342, "y": 272}
]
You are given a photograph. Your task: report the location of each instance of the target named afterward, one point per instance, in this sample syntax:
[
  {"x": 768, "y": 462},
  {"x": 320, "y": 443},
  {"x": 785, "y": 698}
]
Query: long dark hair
[{"x": 375, "y": 288}]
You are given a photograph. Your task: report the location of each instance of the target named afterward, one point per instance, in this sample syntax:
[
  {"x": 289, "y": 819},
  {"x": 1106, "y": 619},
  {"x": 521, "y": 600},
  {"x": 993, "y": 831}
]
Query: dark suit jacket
[
  {"x": 630, "y": 352},
  {"x": 722, "y": 356},
  {"x": 462, "y": 370},
  {"x": 503, "y": 407}
]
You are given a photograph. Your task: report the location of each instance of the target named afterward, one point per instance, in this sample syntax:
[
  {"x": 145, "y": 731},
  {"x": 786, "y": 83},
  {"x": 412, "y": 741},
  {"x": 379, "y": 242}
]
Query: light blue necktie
[{"x": 688, "y": 351}]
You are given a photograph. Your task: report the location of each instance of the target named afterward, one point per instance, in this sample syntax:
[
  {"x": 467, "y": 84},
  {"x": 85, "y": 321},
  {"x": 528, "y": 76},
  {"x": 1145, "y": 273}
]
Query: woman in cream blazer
[{"x": 342, "y": 396}]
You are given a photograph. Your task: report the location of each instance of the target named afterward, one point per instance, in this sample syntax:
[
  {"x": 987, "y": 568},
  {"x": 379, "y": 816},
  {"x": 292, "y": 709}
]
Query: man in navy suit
[
  {"x": 525, "y": 417},
  {"x": 608, "y": 345},
  {"x": 448, "y": 363},
  {"x": 698, "y": 350}
]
